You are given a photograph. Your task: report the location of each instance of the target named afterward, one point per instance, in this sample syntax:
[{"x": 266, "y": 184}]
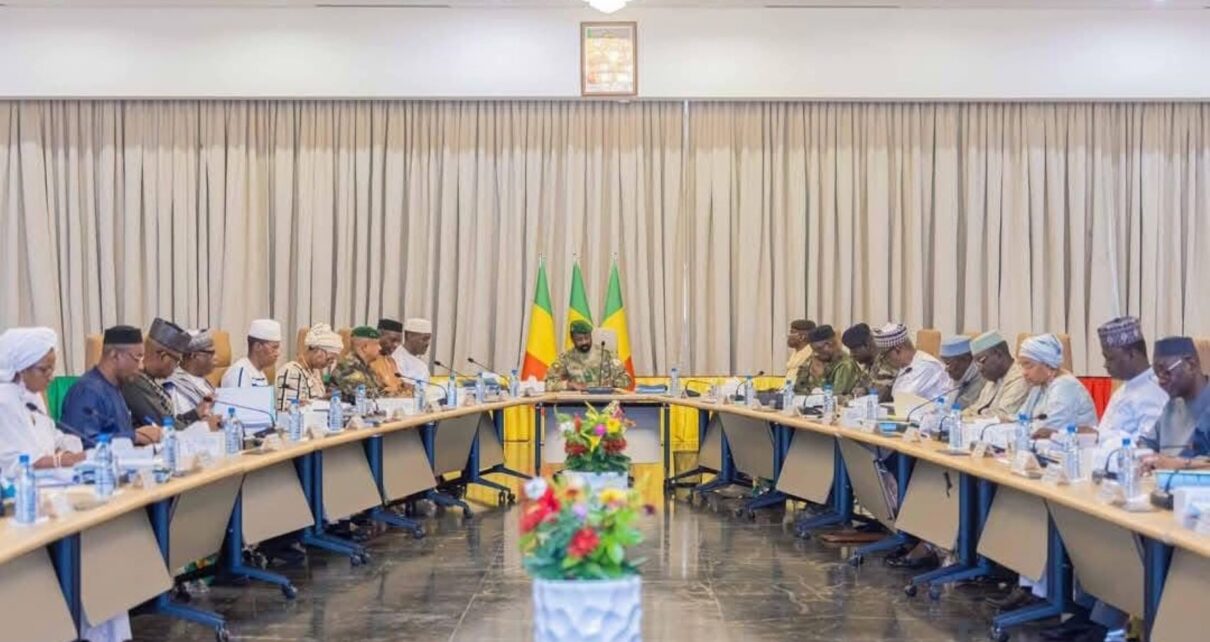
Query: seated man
[
  {"x": 264, "y": 346},
  {"x": 828, "y": 364},
  {"x": 27, "y": 365},
  {"x": 586, "y": 365},
  {"x": 1181, "y": 437},
  {"x": 876, "y": 371},
  {"x": 963, "y": 373},
  {"x": 94, "y": 404},
  {"x": 798, "y": 341},
  {"x": 189, "y": 383},
  {"x": 409, "y": 361},
  {"x": 1137, "y": 404},
  {"x": 917, "y": 372},
  {"x": 305, "y": 378},
  {"x": 146, "y": 396},
  {"x": 354, "y": 370},
  {"x": 1005, "y": 389},
  {"x": 390, "y": 336}
]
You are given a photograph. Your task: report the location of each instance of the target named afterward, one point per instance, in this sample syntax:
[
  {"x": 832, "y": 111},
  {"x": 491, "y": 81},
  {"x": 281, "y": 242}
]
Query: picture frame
[{"x": 609, "y": 57}]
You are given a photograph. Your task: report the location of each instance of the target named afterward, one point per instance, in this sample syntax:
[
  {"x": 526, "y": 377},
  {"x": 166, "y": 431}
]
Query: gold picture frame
[{"x": 609, "y": 59}]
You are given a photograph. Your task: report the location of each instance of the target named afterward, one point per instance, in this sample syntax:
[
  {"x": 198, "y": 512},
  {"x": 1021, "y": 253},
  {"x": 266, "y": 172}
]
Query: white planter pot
[
  {"x": 588, "y": 610},
  {"x": 595, "y": 482}
]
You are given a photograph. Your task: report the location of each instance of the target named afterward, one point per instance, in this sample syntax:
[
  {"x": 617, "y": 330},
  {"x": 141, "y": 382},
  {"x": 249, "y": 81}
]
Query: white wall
[{"x": 684, "y": 53}]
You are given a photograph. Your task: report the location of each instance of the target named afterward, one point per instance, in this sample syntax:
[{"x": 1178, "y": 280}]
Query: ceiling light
[{"x": 606, "y": 6}]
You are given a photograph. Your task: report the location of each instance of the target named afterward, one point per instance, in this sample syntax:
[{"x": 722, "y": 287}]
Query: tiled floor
[{"x": 709, "y": 576}]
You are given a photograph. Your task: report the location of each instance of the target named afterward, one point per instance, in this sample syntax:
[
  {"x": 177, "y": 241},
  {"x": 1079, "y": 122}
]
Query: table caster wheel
[
  {"x": 181, "y": 594},
  {"x": 355, "y": 560},
  {"x": 997, "y": 634},
  {"x": 466, "y": 513},
  {"x": 751, "y": 515},
  {"x": 935, "y": 593},
  {"x": 288, "y": 591},
  {"x": 418, "y": 533},
  {"x": 221, "y": 634},
  {"x": 855, "y": 560},
  {"x": 502, "y": 498},
  {"x": 512, "y": 498},
  {"x": 910, "y": 590}
]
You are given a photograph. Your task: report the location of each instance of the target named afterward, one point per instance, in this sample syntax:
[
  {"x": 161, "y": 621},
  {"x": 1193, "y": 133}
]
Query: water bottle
[
  {"x": 674, "y": 382},
  {"x": 360, "y": 405},
  {"x": 931, "y": 423},
  {"x": 27, "y": 491},
  {"x": 294, "y": 425},
  {"x": 952, "y": 422},
  {"x": 451, "y": 393},
  {"x": 514, "y": 384},
  {"x": 106, "y": 472},
  {"x": 1128, "y": 470},
  {"x": 1023, "y": 433},
  {"x": 871, "y": 405},
  {"x": 418, "y": 394},
  {"x": 829, "y": 403},
  {"x": 750, "y": 393},
  {"x": 481, "y": 388},
  {"x": 1071, "y": 454},
  {"x": 336, "y": 416},
  {"x": 171, "y": 450},
  {"x": 233, "y": 433},
  {"x": 787, "y": 397}
]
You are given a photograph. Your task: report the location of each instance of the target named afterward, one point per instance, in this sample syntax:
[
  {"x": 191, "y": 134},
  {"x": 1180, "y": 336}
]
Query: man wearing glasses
[
  {"x": 145, "y": 394},
  {"x": 1181, "y": 437},
  {"x": 94, "y": 404}
]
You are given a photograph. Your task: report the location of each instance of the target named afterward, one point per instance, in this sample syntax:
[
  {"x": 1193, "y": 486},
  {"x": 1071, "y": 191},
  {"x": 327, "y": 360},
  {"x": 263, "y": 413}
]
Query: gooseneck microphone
[{"x": 442, "y": 365}]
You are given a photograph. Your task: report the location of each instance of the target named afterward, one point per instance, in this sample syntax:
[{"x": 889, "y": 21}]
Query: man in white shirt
[
  {"x": 417, "y": 334},
  {"x": 920, "y": 373},
  {"x": 1137, "y": 404},
  {"x": 264, "y": 346}
]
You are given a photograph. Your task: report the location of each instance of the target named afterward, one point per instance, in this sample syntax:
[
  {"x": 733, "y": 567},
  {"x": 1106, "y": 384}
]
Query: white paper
[
  {"x": 906, "y": 402},
  {"x": 253, "y": 406}
]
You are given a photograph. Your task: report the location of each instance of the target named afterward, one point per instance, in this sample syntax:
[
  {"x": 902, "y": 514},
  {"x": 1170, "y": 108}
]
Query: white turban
[
  {"x": 321, "y": 336},
  {"x": 417, "y": 325},
  {"x": 1044, "y": 348},
  {"x": 21, "y": 348}
]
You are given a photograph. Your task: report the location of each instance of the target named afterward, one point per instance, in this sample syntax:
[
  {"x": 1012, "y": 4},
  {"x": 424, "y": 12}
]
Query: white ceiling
[{"x": 807, "y": 4}]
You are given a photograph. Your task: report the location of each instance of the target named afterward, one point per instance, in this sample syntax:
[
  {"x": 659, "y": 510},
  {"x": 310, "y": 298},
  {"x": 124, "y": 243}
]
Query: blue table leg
[
  {"x": 781, "y": 445},
  {"x": 498, "y": 425},
  {"x": 674, "y": 481},
  {"x": 726, "y": 476},
  {"x": 474, "y": 475},
  {"x": 310, "y": 472},
  {"x": 1058, "y": 587},
  {"x": 161, "y": 519},
  {"x": 841, "y": 496},
  {"x": 232, "y": 560},
  {"x": 429, "y": 436},
  {"x": 65, "y": 555},
  {"x": 968, "y": 566},
  {"x": 380, "y": 514},
  {"x": 1157, "y": 557}
]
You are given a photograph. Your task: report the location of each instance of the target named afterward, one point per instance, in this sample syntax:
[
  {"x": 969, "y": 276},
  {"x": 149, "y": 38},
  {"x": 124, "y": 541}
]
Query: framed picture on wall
[{"x": 609, "y": 59}]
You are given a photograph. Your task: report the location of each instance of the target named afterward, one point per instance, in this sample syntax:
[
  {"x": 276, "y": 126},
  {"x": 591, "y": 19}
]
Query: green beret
[
  {"x": 365, "y": 332},
  {"x": 579, "y": 326}
]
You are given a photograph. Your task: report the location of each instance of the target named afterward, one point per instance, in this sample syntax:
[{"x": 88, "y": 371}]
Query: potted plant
[
  {"x": 574, "y": 543},
  {"x": 595, "y": 444}
]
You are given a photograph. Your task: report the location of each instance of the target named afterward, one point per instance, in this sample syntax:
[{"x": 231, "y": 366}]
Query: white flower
[{"x": 535, "y": 488}]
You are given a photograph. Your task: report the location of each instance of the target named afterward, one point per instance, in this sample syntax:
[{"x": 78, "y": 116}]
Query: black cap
[
  {"x": 123, "y": 335},
  {"x": 390, "y": 325},
  {"x": 802, "y": 325},
  {"x": 1175, "y": 347},
  {"x": 856, "y": 336},
  {"x": 821, "y": 333},
  {"x": 169, "y": 335}
]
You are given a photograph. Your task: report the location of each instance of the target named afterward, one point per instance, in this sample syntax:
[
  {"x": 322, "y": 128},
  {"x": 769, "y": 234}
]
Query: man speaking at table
[{"x": 586, "y": 365}]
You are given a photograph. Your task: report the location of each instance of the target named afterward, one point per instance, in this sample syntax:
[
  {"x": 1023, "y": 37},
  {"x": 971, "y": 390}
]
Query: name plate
[
  {"x": 979, "y": 449},
  {"x": 912, "y": 435}
]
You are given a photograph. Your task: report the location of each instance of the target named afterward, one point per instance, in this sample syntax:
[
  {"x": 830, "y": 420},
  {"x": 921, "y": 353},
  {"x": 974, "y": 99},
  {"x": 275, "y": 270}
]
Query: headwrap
[
  {"x": 955, "y": 346},
  {"x": 821, "y": 333},
  {"x": 1120, "y": 332},
  {"x": 1044, "y": 348},
  {"x": 580, "y": 326},
  {"x": 856, "y": 336},
  {"x": 890, "y": 335},
  {"x": 322, "y": 337},
  {"x": 802, "y": 325},
  {"x": 200, "y": 341},
  {"x": 390, "y": 325},
  {"x": 169, "y": 335},
  {"x": 1175, "y": 347},
  {"x": 365, "y": 332},
  {"x": 21, "y": 348},
  {"x": 123, "y": 335},
  {"x": 418, "y": 326},
  {"x": 265, "y": 330},
  {"x": 986, "y": 341}
]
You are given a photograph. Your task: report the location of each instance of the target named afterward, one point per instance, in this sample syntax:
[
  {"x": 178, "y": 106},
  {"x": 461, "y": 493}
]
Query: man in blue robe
[{"x": 94, "y": 404}]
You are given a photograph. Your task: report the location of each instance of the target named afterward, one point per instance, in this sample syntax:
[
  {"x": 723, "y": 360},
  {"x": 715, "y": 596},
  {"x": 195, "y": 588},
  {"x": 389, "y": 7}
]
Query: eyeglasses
[{"x": 171, "y": 356}]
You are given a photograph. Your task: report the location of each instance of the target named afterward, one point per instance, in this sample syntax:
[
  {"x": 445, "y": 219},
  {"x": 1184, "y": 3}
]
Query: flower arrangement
[
  {"x": 569, "y": 533},
  {"x": 595, "y": 441}
]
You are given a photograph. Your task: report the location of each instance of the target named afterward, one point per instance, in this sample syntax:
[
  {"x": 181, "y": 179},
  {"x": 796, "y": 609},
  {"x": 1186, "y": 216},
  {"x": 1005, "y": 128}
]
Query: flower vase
[
  {"x": 596, "y": 482},
  {"x": 588, "y": 610}
]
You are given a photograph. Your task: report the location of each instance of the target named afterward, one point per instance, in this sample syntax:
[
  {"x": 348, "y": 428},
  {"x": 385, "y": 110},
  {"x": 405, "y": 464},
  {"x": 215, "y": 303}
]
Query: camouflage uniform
[
  {"x": 591, "y": 369},
  {"x": 880, "y": 374},
  {"x": 351, "y": 372},
  {"x": 842, "y": 373}
]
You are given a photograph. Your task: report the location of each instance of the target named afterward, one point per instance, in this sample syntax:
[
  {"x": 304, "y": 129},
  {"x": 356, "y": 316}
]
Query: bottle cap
[{"x": 23, "y": 459}]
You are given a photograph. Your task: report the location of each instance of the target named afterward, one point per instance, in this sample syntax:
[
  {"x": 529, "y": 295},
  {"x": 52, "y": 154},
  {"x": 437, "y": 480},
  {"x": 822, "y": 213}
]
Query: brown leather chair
[
  {"x": 1064, "y": 339},
  {"x": 92, "y": 350},
  {"x": 1203, "y": 352},
  {"x": 929, "y": 340}
]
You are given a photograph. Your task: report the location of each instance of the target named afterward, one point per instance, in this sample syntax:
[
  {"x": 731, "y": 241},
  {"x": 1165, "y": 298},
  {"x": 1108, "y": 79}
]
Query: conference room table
[{"x": 102, "y": 561}]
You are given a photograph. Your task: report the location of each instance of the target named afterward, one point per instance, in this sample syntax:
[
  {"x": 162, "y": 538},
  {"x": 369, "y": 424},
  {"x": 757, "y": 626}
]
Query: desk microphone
[
  {"x": 693, "y": 393},
  {"x": 983, "y": 431},
  {"x": 421, "y": 382},
  {"x": 918, "y": 406},
  {"x": 482, "y": 367},
  {"x": 451, "y": 370},
  {"x": 70, "y": 428}
]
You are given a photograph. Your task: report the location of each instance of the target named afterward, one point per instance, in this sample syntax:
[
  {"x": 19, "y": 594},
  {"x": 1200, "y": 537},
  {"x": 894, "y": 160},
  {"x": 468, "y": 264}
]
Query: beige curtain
[{"x": 728, "y": 219}]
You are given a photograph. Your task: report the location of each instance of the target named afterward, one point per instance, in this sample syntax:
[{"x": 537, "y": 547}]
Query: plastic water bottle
[
  {"x": 233, "y": 433},
  {"x": 27, "y": 491},
  {"x": 172, "y": 446},
  {"x": 1071, "y": 454},
  {"x": 750, "y": 393},
  {"x": 360, "y": 405},
  {"x": 787, "y": 397},
  {"x": 829, "y": 403},
  {"x": 336, "y": 415},
  {"x": 418, "y": 394},
  {"x": 451, "y": 393},
  {"x": 931, "y": 423},
  {"x": 514, "y": 384},
  {"x": 952, "y": 423},
  {"x": 481, "y": 388},
  {"x": 294, "y": 425},
  {"x": 106, "y": 467},
  {"x": 1128, "y": 470},
  {"x": 674, "y": 382},
  {"x": 1023, "y": 433},
  {"x": 871, "y": 405}
]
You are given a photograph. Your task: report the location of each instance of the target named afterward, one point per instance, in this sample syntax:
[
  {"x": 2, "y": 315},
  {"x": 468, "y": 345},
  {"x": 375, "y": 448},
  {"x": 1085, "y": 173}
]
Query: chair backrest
[
  {"x": 1203, "y": 352},
  {"x": 1064, "y": 339},
  {"x": 929, "y": 340},
  {"x": 92, "y": 350}
]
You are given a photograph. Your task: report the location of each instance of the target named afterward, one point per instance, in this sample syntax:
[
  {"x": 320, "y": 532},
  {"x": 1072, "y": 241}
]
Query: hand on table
[{"x": 146, "y": 435}]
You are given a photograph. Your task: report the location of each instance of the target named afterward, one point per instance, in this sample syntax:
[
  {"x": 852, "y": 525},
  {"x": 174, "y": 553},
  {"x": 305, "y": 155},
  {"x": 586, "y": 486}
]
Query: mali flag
[
  {"x": 614, "y": 318},
  {"x": 540, "y": 346},
  {"x": 577, "y": 309}
]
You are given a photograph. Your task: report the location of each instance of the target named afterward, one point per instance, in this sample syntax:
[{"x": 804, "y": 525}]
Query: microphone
[
  {"x": 693, "y": 393},
  {"x": 482, "y": 367},
  {"x": 262, "y": 411},
  {"x": 420, "y": 382},
  {"x": 442, "y": 365},
  {"x": 918, "y": 406},
  {"x": 983, "y": 432}
]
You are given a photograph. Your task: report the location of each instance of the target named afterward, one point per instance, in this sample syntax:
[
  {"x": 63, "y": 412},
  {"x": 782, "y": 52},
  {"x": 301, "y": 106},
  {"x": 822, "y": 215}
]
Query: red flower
[
  {"x": 583, "y": 542},
  {"x": 539, "y": 511},
  {"x": 574, "y": 449},
  {"x": 577, "y": 422},
  {"x": 614, "y": 446}
]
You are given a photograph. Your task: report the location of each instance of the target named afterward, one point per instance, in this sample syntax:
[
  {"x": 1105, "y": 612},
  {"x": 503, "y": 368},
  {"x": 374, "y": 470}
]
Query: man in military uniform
[
  {"x": 876, "y": 370},
  {"x": 354, "y": 369},
  {"x": 585, "y": 365},
  {"x": 828, "y": 364}
]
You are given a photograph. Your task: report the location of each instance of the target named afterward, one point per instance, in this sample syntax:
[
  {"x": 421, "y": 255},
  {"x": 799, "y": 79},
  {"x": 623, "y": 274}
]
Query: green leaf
[{"x": 616, "y": 553}]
